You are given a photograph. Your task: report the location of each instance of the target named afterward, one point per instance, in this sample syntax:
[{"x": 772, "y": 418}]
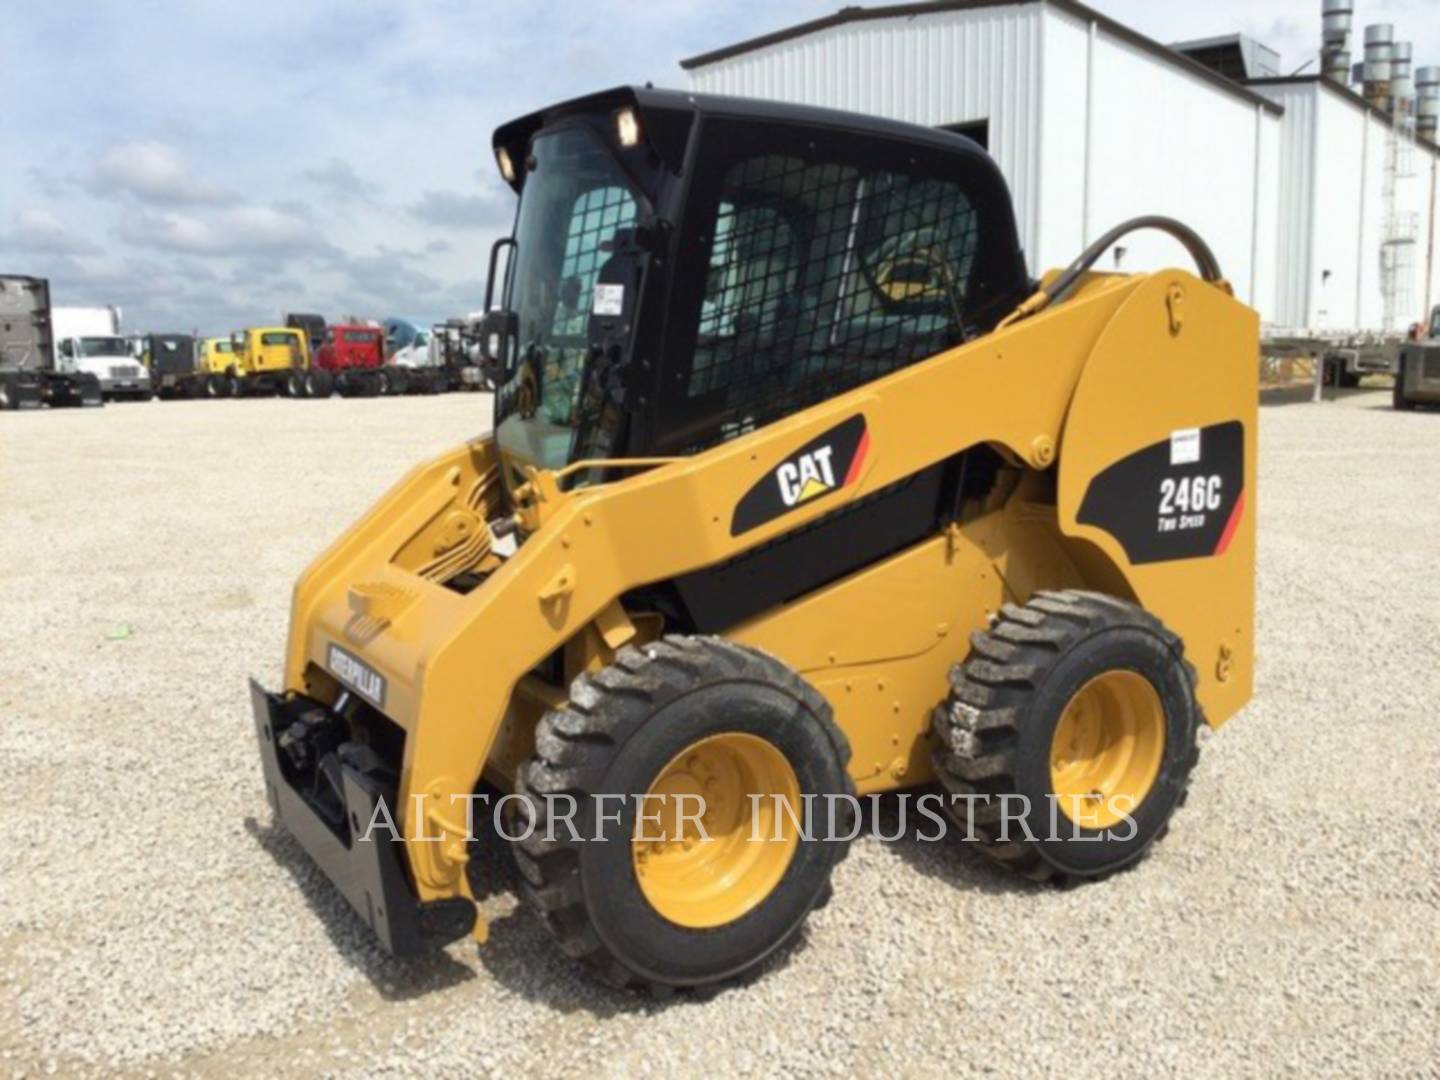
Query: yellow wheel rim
[
  {"x": 708, "y": 880},
  {"x": 1106, "y": 750}
]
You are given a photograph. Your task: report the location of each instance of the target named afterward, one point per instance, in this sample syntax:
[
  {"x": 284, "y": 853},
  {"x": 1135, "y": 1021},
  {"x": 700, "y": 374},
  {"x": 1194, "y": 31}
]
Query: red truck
[{"x": 352, "y": 363}]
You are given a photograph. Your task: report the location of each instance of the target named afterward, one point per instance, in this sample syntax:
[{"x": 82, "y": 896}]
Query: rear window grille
[{"x": 823, "y": 277}]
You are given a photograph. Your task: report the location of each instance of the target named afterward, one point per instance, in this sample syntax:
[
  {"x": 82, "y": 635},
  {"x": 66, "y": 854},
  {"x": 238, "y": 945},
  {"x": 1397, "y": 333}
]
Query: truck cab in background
[
  {"x": 352, "y": 362},
  {"x": 88, "y": 342},
  {"x": 1417, "y": 374},
  {"x": 455, "y": 347},
  {"x": 170, "y": 360},
  {"x": 400, "y": 333},
  {"x": 215, "y": 367},
  {"x": 313, "y": 326},
  {"x": 416, "y": 358},
  {"x": 270, "y": 360},
  {"x": 28, "y": 373},
  {"x": 408, "y": 346}
]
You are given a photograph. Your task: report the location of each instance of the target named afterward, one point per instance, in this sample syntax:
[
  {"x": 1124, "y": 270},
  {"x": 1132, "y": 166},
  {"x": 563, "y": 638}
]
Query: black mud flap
[{"x": 370, "y": 873}]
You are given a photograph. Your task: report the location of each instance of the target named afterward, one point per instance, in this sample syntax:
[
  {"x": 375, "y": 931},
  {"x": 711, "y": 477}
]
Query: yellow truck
[
  {"x": 215, "y": 367},
  {"x": 269, "y": 360}
]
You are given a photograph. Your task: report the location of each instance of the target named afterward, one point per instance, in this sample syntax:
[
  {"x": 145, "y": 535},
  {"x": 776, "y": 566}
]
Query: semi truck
[
  {"x": 269, "y": 360},
  {"x": 441, "y": 359},
  {"x": 28, "y": 373},
  {"x": 170, "y": 360},
  {"x": 411, "y": 347},
  {"x": 352, "y": 363},
  {"x": 417, "y": 359},
  {"x": 88, "y": 342},
  {"x": 1417, "y": 373},
  {"x": 313, "y": 326},
  {"x": 455, "y": 349},
  {"x": 215, "y": 367}
]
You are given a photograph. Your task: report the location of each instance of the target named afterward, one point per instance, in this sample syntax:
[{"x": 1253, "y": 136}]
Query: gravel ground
[{"x": 153, "y": 920}]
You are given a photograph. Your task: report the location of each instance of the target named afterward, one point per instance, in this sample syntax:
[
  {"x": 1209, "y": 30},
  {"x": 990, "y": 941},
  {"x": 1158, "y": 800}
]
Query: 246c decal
[
  {"x": 1180, "y": 498},
  {"x": 824, "y": 464},
  {"x": 1197, "y": 493}
]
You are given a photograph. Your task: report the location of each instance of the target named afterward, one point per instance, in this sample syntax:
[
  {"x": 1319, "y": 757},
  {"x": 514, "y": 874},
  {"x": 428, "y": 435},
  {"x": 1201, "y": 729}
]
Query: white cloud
[
  {"x": 238, "y": 230},
  {"x": 40, "y": 232},
  {"x": 340, "y": 181},
  {"x": 153, "y": 172},
  {"x": 457, "y": 210}
]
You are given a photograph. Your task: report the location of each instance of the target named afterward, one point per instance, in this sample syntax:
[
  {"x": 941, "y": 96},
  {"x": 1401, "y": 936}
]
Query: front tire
[
  {"x": 700, "y": 718},
  {"x": 1069, "y": 735}
]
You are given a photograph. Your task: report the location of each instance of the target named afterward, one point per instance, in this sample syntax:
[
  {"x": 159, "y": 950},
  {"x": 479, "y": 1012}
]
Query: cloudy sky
[{"x": 208, "y": 165}]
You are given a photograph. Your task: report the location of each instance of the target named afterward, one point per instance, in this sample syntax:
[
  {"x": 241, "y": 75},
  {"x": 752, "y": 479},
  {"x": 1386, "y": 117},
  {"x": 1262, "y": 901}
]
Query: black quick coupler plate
[{"x": 368, "y": 868}]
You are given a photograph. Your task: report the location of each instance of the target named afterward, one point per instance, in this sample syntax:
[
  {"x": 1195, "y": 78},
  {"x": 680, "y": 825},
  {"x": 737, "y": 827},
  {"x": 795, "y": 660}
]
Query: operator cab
[{"x": 685, "y": 269}]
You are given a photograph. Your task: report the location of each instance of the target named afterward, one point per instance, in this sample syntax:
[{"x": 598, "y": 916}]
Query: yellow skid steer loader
[{"x": 799, "y": 488}]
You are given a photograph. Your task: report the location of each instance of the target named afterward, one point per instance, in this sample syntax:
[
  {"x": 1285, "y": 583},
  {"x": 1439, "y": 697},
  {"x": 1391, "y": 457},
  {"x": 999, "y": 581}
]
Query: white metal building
[
  {"x": 1332, "y": 179},
  {"x": 1093, "y": 123}
]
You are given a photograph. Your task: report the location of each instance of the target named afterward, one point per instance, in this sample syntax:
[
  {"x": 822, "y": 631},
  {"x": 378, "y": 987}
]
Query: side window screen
[
  {"x": 823, "y": 277},
  {"x": 594, "y": 217},
  {"x": 593, "y": 221}
]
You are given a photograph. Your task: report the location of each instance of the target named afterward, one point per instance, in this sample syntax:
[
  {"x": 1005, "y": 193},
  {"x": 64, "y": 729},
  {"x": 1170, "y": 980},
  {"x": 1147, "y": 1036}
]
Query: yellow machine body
[{"x": 1127, "y": 363}]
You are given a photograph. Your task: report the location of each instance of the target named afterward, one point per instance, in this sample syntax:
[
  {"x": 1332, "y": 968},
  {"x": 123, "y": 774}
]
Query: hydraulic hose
[{"x": 1058, "y": 289}]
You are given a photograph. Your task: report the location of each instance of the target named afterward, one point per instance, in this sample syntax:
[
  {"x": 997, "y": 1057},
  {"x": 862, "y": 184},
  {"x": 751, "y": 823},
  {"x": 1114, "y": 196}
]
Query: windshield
[
  {"x": 224, "y": 345},
  {"x": 170, "y": 354},
  {"x": 574, "y": 200},
  {"x": 104, "y": 346}
]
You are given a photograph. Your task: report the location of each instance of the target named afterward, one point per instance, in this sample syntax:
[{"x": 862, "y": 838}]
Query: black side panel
[
  {"x": 1175, "y": 499},
  {"x": 798, "y": 563}
]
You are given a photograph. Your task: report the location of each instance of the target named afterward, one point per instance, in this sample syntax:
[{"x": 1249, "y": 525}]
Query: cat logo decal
[{"x": 827, "y": 463}]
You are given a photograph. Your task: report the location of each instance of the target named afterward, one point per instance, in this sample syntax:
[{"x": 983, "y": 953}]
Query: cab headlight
[{"x": 627, "y": 127}]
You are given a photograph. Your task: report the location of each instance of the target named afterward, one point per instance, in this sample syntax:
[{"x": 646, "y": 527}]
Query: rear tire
[
  {"x": 1398, "y": 399},
  {"x": 671, "y": 711},
  {"x": 1073, "y": 692},
  {"x": 295, "y": 385}
]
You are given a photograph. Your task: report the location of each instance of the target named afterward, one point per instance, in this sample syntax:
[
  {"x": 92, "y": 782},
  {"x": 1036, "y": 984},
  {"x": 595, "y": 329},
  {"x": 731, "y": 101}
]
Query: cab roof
[{"x": 666, "y": 117}]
